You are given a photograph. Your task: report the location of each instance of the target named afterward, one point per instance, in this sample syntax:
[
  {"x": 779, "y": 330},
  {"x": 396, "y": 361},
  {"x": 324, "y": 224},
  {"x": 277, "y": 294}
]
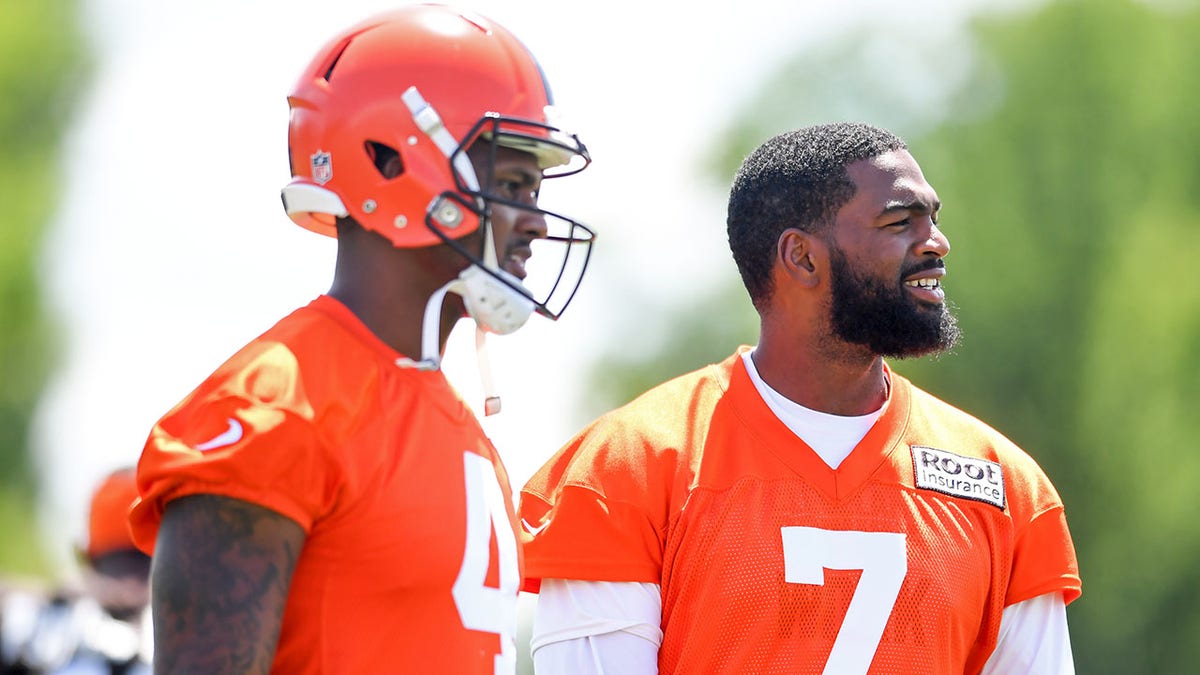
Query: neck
[
  {"x": 398, "y": 323},
  {"x": 387, "y": 288},
  {"x": 848, "y": 383}
]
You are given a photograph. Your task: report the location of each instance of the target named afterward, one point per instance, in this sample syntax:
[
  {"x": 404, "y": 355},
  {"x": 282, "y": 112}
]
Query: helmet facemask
[
  {"x": 381, "y": 120},
  {"x": 549, "y": 280}
]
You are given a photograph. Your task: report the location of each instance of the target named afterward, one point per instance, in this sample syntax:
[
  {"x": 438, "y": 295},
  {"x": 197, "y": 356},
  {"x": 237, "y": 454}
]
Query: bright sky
[{"x": 171, "y": 250}]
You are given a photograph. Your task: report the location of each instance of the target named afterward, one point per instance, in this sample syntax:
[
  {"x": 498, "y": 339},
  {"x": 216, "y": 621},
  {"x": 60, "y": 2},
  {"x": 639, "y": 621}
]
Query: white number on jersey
[
  {"x": 482, "y": 607},
  {"x": 883, "y": 559}
]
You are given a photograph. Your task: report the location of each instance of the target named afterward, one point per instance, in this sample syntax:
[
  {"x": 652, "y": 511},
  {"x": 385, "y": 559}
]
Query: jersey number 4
[
  {"x": 883, "y": 559},
  {"x": 482, "y": 607}
]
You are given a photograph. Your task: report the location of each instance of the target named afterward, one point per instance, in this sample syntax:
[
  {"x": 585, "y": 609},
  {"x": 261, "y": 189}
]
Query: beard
[{"x": 885, "y": 318}]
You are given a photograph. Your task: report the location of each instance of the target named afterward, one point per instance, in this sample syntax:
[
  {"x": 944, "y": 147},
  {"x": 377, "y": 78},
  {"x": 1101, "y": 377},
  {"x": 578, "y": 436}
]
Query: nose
[
  {"x": 531, "y": 224},
  {"x": 935, "y": 243}
]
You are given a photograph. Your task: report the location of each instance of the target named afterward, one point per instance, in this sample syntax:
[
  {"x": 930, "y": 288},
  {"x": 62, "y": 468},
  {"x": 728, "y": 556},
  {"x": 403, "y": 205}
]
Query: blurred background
[{"x": 143, "y": 241}]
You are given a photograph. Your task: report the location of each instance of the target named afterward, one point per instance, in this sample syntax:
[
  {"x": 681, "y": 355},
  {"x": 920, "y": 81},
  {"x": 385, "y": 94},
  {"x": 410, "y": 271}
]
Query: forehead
[
  {"x": 505, "y": 156},
  {"x": 889, "y": 181}
]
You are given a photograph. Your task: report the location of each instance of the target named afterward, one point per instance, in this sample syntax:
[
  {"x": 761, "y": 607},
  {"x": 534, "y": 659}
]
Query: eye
[
  {"x": 515, "y": 189},
  {"x": 506, "y": 188}
]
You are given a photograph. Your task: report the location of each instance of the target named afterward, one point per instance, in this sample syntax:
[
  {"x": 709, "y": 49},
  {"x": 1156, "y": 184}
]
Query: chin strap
[
  {"x": 428, "y": 120},
  {"x": 431, "y": 357},
  {"x": 491, "y": 400}
]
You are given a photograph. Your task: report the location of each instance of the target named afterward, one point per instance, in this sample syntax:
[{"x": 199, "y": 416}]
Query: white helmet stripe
[{"x": 428, "y": 121}]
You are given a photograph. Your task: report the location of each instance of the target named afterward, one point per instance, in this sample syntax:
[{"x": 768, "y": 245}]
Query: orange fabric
[
  {"x": 698, "y": 486},
  {"x": 315, "y": 421},
  {"x": 108, "y": 514}
]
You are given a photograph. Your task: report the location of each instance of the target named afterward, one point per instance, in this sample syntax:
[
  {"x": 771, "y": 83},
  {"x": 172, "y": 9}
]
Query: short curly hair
[{"x": 796, "y": 179}]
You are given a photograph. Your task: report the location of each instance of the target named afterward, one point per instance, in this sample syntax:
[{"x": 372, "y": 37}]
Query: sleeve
[
  {"x": 1043, "y": 558},
  {"x": 1033, "y": 639},
  {"x": 598, "y": 510},
  {"x": 597, "y": 627},
  {"x": 247, "y": 433}
]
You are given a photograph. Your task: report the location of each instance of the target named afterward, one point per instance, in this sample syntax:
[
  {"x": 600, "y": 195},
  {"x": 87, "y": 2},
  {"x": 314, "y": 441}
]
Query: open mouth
[
  {"x": 514, "y": 263},
  {"x": 928, "y": 289}
]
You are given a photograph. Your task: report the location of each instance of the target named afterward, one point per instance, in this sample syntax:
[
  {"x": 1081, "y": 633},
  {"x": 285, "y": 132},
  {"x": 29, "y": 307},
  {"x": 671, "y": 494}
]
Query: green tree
[
  {"x": 1068, "y": 164},
  {"x": 1078, "y": 186},
  {"x": 40, "y": 75}
]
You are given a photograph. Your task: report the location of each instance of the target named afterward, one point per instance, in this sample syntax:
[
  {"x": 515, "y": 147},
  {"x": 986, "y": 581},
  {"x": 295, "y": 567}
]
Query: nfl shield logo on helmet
[{"x": 322, "y": 167}]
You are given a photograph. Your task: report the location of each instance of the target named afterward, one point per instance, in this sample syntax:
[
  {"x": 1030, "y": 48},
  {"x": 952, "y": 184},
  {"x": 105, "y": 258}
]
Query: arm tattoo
[{"x": 219, "y": 585}]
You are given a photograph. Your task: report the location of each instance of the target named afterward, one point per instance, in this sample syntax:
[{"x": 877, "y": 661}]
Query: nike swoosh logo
[
  {"x": 231, "y": 435},
  {"x": 531, "y": 529}
]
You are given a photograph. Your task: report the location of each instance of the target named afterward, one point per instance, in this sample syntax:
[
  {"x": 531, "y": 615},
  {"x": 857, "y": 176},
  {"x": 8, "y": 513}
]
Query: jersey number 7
[{"x": 883, "y": 559}]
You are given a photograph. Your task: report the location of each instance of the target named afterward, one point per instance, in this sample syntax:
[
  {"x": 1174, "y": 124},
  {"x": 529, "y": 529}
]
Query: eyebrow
[
  {"x": 919, "y": 205},
  {"x": 526, "y": 174}
]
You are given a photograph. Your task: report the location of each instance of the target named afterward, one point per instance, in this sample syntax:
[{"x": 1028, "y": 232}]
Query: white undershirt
[
  {"x": 831, "y": 436},
  {"x": 613, "y": 627}
]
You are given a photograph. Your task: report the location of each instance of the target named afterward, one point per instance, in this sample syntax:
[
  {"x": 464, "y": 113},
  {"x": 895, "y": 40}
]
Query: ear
[{"x": 799, "y": 255}]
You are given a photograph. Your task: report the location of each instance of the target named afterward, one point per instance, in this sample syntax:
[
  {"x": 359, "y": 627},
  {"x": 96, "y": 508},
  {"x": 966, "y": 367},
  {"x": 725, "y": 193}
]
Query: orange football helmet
[{"x": 380, "y": 122}]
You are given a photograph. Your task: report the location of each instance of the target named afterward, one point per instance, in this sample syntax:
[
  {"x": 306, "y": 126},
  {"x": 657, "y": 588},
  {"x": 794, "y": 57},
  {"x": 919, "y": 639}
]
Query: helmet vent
[
  {"x": 385, "y": 158},
  {"x": 334, "y": 61}
]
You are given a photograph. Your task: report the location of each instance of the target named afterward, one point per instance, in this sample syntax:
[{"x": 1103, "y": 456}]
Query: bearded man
[{"x": 801, "y": 507}]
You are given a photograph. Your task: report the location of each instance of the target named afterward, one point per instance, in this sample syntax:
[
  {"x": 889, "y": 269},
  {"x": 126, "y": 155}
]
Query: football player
[
  {"x": 324, "y": 502},
  {"x": 100, "y": 627},
  {"x": 801, "y": 507}
]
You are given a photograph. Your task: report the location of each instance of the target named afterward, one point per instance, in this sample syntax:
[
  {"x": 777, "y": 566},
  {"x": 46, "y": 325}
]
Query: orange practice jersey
[
  {"x": 899, "y": 562},
  {"x": 411, "y": 562}
]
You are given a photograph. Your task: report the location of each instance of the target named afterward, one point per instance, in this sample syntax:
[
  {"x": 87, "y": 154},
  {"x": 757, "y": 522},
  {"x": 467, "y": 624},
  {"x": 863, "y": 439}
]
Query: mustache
[{"x": 937, "y": 264}]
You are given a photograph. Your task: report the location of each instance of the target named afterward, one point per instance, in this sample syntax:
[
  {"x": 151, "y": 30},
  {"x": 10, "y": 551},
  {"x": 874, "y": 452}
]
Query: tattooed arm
[{"x": 219, "y": 584}]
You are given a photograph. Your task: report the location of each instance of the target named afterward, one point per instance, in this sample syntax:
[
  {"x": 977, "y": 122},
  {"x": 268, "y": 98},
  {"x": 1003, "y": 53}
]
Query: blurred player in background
[
  {"x": 325, "y": 502},
  {"x": 800, "y": 507},
  {"x": 101, "y": 629}
]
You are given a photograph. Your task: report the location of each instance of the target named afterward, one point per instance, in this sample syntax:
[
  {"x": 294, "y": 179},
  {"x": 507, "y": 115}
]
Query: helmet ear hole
[{"x": 385, "y": 158}]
